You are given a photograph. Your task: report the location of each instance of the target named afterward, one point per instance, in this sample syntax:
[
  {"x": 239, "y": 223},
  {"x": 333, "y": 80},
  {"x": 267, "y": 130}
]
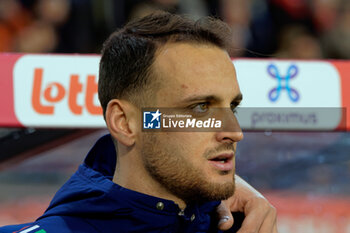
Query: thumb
[{"x": 224, "y": 216}]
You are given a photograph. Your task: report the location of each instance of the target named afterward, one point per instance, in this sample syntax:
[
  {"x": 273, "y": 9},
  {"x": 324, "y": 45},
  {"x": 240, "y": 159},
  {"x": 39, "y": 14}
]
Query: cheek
[{"x": 191, "y": 146}]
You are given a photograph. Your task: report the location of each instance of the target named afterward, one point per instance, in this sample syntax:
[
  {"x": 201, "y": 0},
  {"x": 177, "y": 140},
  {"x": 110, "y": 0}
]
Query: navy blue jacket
[{"x": 91, "y": 202}]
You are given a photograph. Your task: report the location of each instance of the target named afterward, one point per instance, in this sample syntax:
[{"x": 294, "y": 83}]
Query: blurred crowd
[{"x": 300, "y": 29}]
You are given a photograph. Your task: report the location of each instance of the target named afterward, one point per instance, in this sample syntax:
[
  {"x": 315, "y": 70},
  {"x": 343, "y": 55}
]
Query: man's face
[{"x": 194, "y": 165}]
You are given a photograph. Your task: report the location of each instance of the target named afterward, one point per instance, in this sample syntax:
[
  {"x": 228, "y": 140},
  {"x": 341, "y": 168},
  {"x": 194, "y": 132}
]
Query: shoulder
[{"x": 54, "y": 224}]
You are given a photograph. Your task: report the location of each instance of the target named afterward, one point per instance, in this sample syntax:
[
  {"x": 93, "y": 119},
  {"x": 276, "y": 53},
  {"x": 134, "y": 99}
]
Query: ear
[{"x": 119, "y": 123}]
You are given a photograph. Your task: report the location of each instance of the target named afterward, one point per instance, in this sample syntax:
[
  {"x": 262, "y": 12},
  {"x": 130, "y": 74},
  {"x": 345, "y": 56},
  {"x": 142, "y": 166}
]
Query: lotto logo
[
  {"x": 55, "y": 92},
  {"x": 58, "y": 91},
  {"x": 151, "y": 120}
]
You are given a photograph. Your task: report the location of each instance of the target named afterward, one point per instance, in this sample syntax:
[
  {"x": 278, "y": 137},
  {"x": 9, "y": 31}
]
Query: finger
[
  {"x": 250, "y": 225},
  {"x": 225, "y": 217},
  {"x": 270, "y": 222},
  {"x": 269, "y": 229},
  {"x": 253, "y": 220}
]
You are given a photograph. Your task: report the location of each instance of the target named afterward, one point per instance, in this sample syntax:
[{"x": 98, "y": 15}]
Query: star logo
[
  {"x": 151, "y": 120},
  {"x": 156, "y": 115}
]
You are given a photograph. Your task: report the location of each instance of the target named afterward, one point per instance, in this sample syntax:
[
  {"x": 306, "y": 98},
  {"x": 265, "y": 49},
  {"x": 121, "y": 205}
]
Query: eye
[
  {"x": 200, "y": 108},
  {"x": 234, "y": 108}
]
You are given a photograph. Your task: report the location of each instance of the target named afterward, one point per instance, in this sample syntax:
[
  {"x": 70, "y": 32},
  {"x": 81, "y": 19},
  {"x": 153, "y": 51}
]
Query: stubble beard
[{"x": 168, "y": 167}]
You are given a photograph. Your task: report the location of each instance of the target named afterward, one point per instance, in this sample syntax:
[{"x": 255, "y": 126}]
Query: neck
[{"x": 131, "y": 174}]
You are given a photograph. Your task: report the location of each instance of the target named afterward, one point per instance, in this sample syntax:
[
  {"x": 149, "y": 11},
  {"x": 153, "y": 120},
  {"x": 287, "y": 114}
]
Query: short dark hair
[{"x": 128, "y": 54}]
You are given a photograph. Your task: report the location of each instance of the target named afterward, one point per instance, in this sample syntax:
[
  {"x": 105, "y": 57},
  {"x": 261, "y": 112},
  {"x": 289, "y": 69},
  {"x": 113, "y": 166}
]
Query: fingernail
[{"x": 224, "y": 219}]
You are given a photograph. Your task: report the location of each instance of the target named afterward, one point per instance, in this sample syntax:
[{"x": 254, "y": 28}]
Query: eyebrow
[{"x": 211, "y": 98}]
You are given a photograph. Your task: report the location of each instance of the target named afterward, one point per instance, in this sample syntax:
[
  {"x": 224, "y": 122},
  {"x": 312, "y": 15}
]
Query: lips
[{"x": 222, "y": 162}]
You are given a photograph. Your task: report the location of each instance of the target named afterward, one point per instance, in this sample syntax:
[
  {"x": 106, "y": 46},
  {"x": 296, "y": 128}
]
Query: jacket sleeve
[{"x": 19, "y": 228}]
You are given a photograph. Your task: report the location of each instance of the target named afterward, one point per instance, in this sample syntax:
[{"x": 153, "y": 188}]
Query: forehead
[{"x": 184, "y": 69}]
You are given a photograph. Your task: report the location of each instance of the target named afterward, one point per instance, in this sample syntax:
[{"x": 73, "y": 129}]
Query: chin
[
  {"x": 219, "y": 188},
  {"x": 222, "y": 177},
  {"x": 219, "y": 191}
]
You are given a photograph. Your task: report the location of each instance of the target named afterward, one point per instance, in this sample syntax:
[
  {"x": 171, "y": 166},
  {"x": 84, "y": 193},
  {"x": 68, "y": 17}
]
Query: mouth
[{"x": 222, "y": 162}]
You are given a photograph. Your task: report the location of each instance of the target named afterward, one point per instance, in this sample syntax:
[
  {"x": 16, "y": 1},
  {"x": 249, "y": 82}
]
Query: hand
[{"x": 260, "y": 215}]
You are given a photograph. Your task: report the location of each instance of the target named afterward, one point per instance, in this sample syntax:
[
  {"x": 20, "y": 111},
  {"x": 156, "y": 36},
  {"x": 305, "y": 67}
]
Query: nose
[
  {"x": 229, "y": 137},
  {"x": 231, "y": 132}
]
